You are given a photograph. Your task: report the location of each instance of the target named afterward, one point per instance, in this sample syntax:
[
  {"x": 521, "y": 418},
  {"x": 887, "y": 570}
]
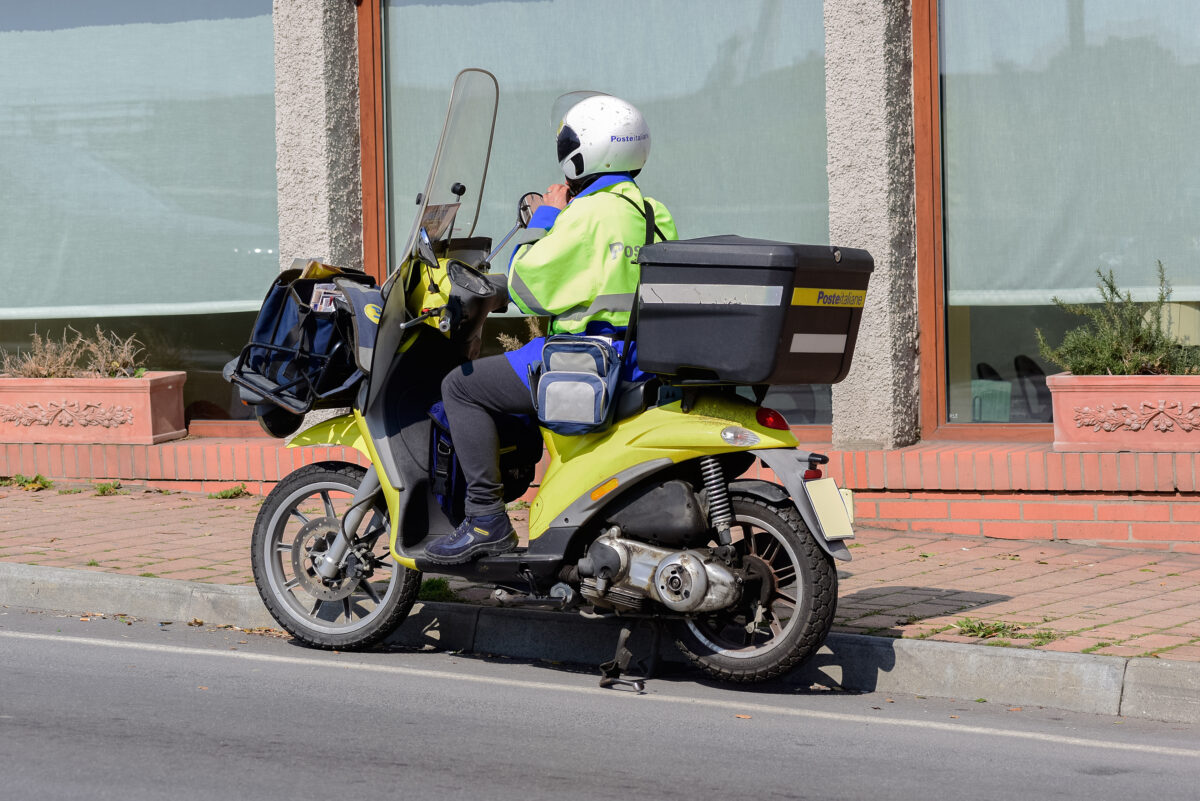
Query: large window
[
  {"x": 734, "y": 94},
  {"x": 1068, "y": 139},
  {"x": 137, "y": 156}
]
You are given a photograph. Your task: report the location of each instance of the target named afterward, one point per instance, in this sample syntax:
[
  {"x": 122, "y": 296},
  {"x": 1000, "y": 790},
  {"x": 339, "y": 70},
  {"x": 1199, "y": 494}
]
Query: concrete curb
[
  {"x": 1105, "y": 685},
  {"x": 151, "y": 598}
]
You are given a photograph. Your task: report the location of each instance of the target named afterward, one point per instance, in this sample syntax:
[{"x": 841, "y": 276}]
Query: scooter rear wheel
[
  {"x": 756, "y": 641},
  {"x": 297, "y": 521}
]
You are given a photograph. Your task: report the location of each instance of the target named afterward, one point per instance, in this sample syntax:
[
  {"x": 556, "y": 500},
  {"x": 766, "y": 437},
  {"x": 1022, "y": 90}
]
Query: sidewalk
[{"x": 1052, "y": 596}]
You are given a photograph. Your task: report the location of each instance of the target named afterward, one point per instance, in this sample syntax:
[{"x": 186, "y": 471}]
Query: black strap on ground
[{"x": 611, "y": 671}]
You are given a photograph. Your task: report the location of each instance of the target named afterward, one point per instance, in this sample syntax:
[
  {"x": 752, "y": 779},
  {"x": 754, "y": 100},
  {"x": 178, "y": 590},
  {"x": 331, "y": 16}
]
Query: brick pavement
[{"x": 1052, "y": 596}]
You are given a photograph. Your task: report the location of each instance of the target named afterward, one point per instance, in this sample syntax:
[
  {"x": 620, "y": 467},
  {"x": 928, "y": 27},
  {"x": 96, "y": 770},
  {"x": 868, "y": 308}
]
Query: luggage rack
[
  {"x": 299, "y": 356},
  {"x": 686, "y": 390},
  {"x": 298, "y": 374}
]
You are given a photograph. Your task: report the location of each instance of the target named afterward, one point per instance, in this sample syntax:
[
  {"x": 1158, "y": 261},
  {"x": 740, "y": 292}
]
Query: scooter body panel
[
  {"x": 342, "y": 430},
  {"x": 350, "y": 431},
  {"x": 588, "y": 471}
]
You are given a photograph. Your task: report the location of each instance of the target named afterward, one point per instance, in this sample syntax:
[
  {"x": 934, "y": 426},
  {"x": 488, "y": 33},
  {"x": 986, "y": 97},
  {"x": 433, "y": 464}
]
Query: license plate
[{"x": 830, "y": 505}]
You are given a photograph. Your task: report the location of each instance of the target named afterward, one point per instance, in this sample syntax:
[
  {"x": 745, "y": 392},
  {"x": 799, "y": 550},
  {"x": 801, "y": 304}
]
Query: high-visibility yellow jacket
[{"x": 582, "y": 269}]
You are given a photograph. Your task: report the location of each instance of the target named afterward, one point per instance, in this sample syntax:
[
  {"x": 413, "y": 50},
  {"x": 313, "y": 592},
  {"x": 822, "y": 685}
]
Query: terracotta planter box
[
  {"x": 1148, "y": 413},
  {"x": 131, "y": 411}
]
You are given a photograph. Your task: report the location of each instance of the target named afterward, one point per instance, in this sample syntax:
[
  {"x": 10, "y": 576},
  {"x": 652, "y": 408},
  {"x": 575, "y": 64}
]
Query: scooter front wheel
[
  {"x": 369, "y": 597},
  {"x": 783, "y": 615}
]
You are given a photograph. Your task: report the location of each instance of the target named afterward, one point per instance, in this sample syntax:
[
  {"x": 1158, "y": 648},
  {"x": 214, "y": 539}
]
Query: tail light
[{"x": 769, "y": 418}]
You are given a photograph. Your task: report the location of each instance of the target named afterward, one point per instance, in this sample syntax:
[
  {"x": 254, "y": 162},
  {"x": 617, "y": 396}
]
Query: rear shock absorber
[{"x": 719, "y": 512}]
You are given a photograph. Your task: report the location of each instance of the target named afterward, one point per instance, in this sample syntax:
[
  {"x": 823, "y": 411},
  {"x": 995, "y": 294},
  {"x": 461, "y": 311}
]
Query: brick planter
[
  {"x": 131, "y": 411},
  {"x": 1138, "y": 413}
]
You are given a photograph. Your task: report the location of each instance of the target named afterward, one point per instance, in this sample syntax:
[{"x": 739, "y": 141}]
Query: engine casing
[{"x": 683, "y": 581}]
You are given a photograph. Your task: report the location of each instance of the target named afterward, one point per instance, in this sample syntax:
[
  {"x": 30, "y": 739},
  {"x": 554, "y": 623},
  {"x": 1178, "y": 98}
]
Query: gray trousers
[{"x": 473, "y": 395}]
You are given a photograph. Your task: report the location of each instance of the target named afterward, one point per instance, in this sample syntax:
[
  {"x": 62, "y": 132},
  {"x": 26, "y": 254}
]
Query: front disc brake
[{"x": 312, "y": 541}]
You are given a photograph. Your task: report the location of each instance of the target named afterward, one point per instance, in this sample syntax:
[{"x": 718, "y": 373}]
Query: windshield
[{"x": 449, "y": 206}]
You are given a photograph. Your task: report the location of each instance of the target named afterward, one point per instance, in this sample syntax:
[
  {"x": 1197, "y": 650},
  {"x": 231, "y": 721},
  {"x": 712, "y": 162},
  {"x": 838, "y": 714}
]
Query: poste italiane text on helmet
[{"x": 600, "y": 133}]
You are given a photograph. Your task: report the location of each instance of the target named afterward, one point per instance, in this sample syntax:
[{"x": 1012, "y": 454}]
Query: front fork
[{"x": 331, "y": 563}]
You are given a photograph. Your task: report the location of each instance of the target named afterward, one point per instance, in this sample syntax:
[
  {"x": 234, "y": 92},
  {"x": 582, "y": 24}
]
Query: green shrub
[
  {"x": 35, "y": 484},
  {"x": 973, "y": 627},
  {"x": 239, "y": 491},
  {"x": 1122, "y": 336},
  {"x": 436, "y": 589}
]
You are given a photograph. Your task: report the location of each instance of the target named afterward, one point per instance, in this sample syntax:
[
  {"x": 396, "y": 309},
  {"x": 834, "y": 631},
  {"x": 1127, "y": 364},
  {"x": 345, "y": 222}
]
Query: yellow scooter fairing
[
  {"x": 350, "y": 431},
  {"x": 585, "y": 471}
]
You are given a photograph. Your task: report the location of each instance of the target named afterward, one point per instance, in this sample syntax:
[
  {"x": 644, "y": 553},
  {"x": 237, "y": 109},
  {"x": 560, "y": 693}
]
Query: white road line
[{"x": 734, "y": 706}]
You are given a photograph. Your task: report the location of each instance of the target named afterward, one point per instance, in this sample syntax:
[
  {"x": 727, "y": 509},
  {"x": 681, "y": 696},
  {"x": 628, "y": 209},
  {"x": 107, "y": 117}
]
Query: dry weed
[
  {"x": 533, "y": 330},
  {"x": 112, "y": 357},
  {"x": 105, "y": 355},
  {"x": 46, "y": 357}
]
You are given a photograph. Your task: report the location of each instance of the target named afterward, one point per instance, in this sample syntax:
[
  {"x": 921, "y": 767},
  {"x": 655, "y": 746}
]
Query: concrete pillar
[
  {"x": 317, "y": 132},
  {"x": 869, "y": 113}
]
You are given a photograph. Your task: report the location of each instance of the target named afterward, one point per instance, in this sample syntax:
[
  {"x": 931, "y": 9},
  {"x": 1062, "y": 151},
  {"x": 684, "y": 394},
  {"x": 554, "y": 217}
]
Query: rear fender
[{"x": 789, "y": 465}]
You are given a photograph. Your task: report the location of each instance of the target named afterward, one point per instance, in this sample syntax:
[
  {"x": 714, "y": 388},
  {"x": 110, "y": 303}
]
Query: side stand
[{"x": 610, "y": 672}]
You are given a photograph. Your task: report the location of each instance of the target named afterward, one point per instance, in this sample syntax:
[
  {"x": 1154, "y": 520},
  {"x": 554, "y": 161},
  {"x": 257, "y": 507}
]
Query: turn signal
[
  {"x": 769, "y": 418},
  {"x": 739, "y": 437}
]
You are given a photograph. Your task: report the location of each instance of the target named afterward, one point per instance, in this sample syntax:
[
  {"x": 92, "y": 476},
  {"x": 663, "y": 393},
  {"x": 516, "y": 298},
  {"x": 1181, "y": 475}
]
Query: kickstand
[{"x": 610, "y": 672}]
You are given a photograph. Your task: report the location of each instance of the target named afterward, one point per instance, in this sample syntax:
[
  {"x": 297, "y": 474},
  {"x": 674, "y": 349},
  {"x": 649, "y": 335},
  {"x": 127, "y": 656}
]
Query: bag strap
[
  {"x": 646, "y": 211},
  {"x": 629, "y": 329},
  {"x": 652, "y": 228}
]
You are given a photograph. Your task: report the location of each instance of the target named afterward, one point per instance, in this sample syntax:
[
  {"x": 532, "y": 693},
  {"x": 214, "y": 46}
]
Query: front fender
[
  {"x": 343, "y": 430},
  {"x": 789, "y": 465},
  {"x": 349, "y": 431}
]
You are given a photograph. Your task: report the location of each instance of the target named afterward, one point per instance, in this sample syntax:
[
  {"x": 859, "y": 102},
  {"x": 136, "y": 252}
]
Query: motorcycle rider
[{"x": 576, "y": 266}]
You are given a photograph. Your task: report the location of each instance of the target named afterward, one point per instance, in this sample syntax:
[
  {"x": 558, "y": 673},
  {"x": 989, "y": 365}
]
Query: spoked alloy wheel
[
  {"x": 785, "y": 611},
  {"x": 297, "y": 523}
]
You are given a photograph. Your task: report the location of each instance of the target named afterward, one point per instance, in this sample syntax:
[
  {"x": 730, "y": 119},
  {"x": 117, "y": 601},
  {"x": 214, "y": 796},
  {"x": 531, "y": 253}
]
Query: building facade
[{"x": 991, "y": 156}]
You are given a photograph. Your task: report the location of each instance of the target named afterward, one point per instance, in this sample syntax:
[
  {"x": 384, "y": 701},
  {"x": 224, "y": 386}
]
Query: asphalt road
[{"x": 102, "y": 709}]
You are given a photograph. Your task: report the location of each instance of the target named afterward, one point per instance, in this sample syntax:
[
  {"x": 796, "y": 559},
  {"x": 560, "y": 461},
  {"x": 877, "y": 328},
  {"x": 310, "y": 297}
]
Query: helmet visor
[
  {"x": 568, "y": 142},
  {"x": 564, "y": 103}
]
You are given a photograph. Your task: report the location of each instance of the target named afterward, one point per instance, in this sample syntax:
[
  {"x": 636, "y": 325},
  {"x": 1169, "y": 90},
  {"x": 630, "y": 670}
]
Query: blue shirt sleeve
[{"x": 543, "y": 217}]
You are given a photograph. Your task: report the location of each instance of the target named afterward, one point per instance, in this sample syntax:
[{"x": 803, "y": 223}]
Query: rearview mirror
[
  {"x": 468, "y": 278},
  {"x": 425, "y": 249},
  {"x": 526, "y": 206}
]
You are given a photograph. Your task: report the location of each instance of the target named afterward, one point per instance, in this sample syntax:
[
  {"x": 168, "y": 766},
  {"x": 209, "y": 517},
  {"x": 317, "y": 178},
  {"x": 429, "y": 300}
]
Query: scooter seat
[{"x": 634, "y": 397}]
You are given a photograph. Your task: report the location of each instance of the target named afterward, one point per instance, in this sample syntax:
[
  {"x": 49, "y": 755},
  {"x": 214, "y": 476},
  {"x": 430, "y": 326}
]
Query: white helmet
[{"x": 600, "y": 133}]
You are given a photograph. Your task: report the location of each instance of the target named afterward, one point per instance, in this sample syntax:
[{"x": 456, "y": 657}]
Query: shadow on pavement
[{"x": 893, "y": 611}]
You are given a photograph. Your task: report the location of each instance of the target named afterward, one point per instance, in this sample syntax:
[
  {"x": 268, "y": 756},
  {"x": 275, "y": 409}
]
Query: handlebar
[{"x": 443, "y": 312}]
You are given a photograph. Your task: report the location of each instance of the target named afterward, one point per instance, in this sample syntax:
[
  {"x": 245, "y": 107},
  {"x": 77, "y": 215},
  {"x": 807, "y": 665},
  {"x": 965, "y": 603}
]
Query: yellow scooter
[{"x": 643, "y": 518}]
